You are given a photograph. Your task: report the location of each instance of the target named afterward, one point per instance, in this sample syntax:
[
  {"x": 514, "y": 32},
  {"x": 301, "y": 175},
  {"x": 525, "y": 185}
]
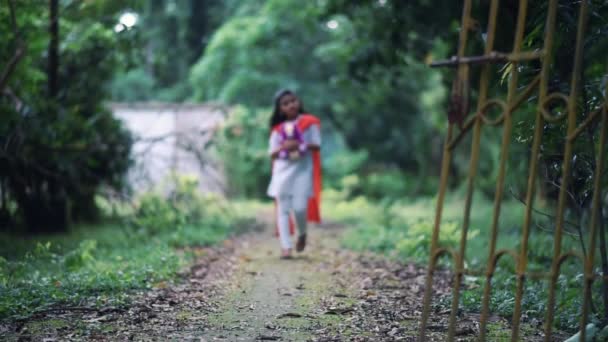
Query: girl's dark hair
[{"x": 278, "y": 117}]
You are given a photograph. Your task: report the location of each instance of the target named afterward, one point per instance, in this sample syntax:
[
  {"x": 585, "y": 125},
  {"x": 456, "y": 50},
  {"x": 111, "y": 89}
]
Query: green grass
[
  {"x": 403, "y": 230},
  {"x": 96, "y": 265},
  {"x": 102, "y": 265}
]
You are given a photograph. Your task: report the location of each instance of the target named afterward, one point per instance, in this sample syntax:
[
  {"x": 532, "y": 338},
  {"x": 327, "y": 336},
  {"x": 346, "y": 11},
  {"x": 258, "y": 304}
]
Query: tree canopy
[
  {"x": 317, "y": 53},
  {"x": 59, "y": 144}
]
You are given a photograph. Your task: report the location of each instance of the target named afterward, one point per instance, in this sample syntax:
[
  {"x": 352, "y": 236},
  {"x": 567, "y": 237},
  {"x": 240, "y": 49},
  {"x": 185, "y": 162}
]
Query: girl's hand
[{"x": 291, "y": 145}]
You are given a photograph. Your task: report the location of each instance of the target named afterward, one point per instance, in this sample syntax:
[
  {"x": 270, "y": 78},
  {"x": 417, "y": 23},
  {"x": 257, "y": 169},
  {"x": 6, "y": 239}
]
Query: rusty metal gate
[{"x": 473, "y": 125}]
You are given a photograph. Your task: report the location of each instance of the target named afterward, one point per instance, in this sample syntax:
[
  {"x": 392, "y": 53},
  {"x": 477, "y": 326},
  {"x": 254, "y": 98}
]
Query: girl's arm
[
  {"x": 313, "y": 138},
  {"x": 274, "y": 145},
  {"x": 289, "y": 145},
  {"x": 274, "y": 154}
]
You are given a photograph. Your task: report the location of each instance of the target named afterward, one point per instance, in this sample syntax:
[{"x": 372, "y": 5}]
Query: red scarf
[{"x": 304, "y": 122}]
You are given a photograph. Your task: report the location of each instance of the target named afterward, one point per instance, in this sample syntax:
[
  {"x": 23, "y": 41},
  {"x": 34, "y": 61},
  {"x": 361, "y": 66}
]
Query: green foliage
[
  {"x": 395, "y": 184},
  {"x": 60, "y": 164},
  {"x": 379, "y": 185},
  {"x": 253, "y": 54},
  {"x": 403, "y": 230},
  {"x": 341, "y": 167},
  {"x": 242, "y": 146},
  {"x": 79, "y": 257},
  {"x": 180, "y": 213},
  {"x": 134, "y": 85},
  {"x": 409, "y": 241},
  {"x": 393, "y": 29},
  {"x": 3, "y": 271},
  {"x": 101, "y": 271},
  {"x": 58, "y": 152},
  {"x": 417, "y": 240},
  {"x": 340, "y": 206},
  {"x": 155, "y": 213},
  {"x": 534, "y": 300},
  {"x": 167, "y": 39},
  {"x": 102, "y": 265}
]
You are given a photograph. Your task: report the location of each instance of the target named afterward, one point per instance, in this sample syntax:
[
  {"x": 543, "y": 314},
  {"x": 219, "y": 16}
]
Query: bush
[
  {"x": 397, "y": 228},
  {"x": 417, "y": 241},
  {"x": 186, "y": 215},
  {"x": 391, "y": 184},
  {"x": 408, "y": 241},
  {"x": 341, "y": 164},
  {"x": 133, "y": 85},
  {"x": 242, "y": 145},
  {"x": 338, "y": 206}
]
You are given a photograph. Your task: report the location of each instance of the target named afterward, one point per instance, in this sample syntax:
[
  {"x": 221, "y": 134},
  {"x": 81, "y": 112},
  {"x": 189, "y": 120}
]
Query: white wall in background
[{"x": 171, "y": 138}]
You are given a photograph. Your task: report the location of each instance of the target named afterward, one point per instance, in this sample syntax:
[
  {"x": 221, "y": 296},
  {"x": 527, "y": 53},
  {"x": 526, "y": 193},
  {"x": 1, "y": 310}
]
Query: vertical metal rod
[
  {"x": 522, "y": 260},
  {"x": 595, "y": 208},
  {"x": 483, "y": 85},
  {"x": 504, "y": 156},
  {"x": 445, "y": 165},
  {"x": 459, "y": 267},
  {"x": 567, "y": 163},
  {"x": 506, "y": 139},
  {"x": 428, "y": 289},
  {"x": 460, "y": 256}
]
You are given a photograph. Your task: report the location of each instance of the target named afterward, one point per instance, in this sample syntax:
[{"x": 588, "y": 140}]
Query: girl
[{"x": 295, "y": 143}]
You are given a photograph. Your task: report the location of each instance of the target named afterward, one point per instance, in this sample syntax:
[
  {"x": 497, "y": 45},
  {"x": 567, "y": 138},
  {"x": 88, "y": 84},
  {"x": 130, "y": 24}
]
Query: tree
[
  {"x": 60, "y": 146},
  {"x": 170, "y": 37},
  {"x": 261, "y": 50}
]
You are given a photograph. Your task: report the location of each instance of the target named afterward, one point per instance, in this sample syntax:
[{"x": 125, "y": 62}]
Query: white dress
[{"x": 293, "y": 177}]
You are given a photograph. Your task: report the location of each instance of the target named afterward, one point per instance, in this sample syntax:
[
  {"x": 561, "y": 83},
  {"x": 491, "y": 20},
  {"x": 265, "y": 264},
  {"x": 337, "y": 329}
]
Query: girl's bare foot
[{"x": 286, "y": 253}]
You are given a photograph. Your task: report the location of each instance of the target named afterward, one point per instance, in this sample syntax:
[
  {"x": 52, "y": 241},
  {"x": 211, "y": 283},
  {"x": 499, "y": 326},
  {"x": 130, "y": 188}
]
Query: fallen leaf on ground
[{"x": 289, "y": 315}]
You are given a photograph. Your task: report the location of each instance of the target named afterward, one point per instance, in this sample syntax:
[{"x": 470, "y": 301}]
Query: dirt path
[
  {"x": 275, "y": 299},
  {"x": 242, "y": 291}
]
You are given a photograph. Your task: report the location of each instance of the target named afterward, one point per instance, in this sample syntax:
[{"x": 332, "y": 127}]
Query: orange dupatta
[{"x": 304, "y": 122}]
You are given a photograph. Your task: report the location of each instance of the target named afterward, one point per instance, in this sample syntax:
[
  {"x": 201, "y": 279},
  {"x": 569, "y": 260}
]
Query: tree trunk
[
  {"x": 53, "y": 62},
  {"x": 5, "y": 218}
]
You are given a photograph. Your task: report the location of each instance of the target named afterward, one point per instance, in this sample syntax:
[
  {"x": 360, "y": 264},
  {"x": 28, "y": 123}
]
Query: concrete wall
[{"x": 172, "y": 138}]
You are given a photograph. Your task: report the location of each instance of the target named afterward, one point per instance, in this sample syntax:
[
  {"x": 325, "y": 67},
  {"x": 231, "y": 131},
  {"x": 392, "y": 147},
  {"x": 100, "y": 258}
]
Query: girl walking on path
[{"x": 295, "y": 143}]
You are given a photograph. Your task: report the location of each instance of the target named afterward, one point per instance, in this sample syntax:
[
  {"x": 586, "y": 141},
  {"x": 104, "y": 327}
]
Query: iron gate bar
[
  {"x": 586, "y": 123},
  {"x": 491, "y": 57},
  {"x": 463, "y": 132},
  {"x": 459, "y": 267},
  {"x": 567, "y": 163},
  {"x": 522, "y": 261},
  {"x": 542, "y": 115},
  {"x": 506, "y": 140},
  {"x": 469, "y": 123},
  {"x": 547, "y": 114},
  {"x": 445, "y": 165},
  {"x": 595, "y": 212}
]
